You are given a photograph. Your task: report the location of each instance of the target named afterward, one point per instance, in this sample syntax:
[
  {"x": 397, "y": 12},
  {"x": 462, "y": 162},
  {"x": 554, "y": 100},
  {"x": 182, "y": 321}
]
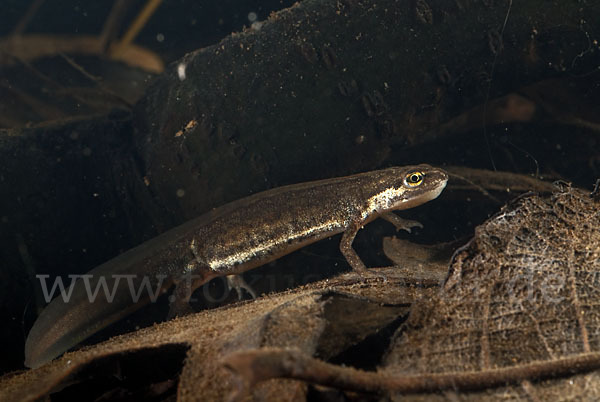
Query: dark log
[{"x": 328, "y": 88}]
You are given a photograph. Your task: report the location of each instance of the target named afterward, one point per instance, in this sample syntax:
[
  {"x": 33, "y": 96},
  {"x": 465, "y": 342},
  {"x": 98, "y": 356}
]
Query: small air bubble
[
  {"x": 180, "y": 193},
  {"x": 181, "y": 71},
  {"x": 160, "y": 37},
  {"x": 252, "y": 16}
]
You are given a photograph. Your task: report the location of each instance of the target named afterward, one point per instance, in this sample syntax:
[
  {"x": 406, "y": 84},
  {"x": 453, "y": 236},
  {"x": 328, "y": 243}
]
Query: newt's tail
[{"x": 96, "y": 300}]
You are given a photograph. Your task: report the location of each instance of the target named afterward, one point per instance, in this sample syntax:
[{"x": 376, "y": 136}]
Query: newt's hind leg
[
  {"x": 196, "y": 274},
  {"x": 238, "y": 283},
  {"x": 179, "y": 301}
]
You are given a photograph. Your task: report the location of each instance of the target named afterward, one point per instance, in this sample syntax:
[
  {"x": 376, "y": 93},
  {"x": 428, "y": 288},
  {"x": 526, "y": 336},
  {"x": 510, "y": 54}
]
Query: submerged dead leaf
[
  {"x": 329, "y": 319},
  {"x": 523, "y": 291},
  {"x": 427, "y": 263}
]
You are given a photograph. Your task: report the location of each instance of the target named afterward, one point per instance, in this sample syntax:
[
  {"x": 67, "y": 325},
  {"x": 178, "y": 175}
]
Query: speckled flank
[
  {"x": 265, "y": 248},
  {"x": 279, "y": 221}
]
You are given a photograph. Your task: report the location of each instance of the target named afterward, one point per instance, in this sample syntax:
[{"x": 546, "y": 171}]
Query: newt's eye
[{"x": 413, "y": 179}]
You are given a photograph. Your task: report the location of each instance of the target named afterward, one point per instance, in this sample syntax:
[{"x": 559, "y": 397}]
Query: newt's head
[{"x": 407, "y": 187}]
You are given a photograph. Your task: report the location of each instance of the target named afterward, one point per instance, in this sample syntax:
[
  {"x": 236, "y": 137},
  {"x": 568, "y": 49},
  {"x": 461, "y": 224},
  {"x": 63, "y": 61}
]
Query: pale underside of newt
[{"x": 229, "y": 240}]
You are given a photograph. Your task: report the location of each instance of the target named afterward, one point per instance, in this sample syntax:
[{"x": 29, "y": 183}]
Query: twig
[
  {"x": 97, "y": 80},
  {"x": 80, "y": 68},
  {"x": 26, "y": 19},
  {"x": 484, "y": 180},
  {"x": 476, "y": 186},
  {"x": 252, "y": 367},
  {"x": 110, "y": 30},
  {"x": 137, "y": 25}
]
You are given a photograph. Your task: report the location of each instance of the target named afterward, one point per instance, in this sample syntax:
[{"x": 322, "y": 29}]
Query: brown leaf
[
  {"x": 324, "y": 318},
  {"x": 522, "y": 292}
]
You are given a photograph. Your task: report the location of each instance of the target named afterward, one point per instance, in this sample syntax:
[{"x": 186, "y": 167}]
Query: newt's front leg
[
  {"x": 400, "y": 223},
  {"x": 348, "y": 238}
]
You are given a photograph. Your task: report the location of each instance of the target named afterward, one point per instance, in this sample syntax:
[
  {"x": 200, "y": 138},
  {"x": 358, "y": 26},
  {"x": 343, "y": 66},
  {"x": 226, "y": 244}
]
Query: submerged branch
[{"x": 252, "y": 367}]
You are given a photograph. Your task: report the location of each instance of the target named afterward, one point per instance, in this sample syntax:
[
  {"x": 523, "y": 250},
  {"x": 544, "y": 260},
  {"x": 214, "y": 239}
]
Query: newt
[{"x": 227, "y": 241}]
